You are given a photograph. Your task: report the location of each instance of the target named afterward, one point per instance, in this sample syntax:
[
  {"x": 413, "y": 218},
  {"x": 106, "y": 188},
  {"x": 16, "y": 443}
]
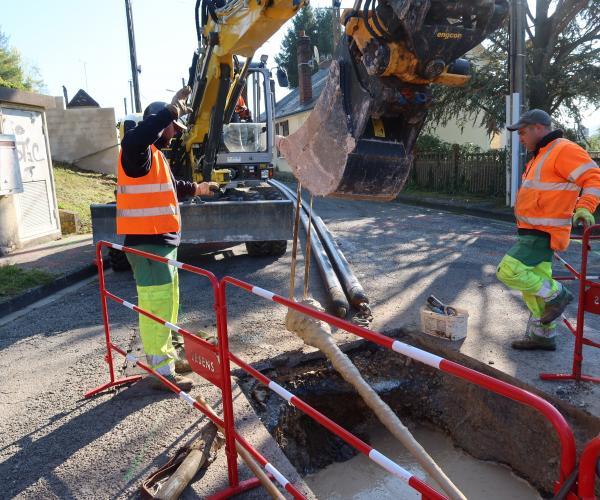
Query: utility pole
[
  {"x": 516, "y": 100},
  {"x": 335, "y": 19},
  {"x": 125, "y": 104},
  {"x": 134, "y": 65},
  {"x": 131, "y": 96}
]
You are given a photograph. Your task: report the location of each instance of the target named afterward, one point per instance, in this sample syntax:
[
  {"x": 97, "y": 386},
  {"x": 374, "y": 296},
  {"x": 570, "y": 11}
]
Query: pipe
[
  {"x": 354, "y": 290},
  {"x": 330, "y": 280}
]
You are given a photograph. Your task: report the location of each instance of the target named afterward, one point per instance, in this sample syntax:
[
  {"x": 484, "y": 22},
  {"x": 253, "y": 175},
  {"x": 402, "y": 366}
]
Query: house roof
[
  {"x": 82, "y": 99},
  {"x": 290, "y": 104}
]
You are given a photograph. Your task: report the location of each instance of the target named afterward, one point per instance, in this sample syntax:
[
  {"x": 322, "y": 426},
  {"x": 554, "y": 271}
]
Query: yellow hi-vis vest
[
  {"x": 559, "y": 179},
  {"x": 147, "y": 204}
]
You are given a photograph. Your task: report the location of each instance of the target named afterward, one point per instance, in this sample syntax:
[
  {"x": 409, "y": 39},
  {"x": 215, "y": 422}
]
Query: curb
[
  {"x": 458, "y": 209},
  {"x": 30, "y": 296}
]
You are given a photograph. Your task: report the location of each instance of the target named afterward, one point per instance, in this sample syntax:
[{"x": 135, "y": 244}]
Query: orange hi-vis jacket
[
  {"x": 561, "y": 178},
  {"x": 147, "y": 204}
]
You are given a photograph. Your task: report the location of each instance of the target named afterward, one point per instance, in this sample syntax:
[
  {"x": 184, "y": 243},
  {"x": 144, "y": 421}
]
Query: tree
[
  {"x": 13, "y": 73},
  {"x": 563, "y": 68},
  {"x": 317, "y": 25}
]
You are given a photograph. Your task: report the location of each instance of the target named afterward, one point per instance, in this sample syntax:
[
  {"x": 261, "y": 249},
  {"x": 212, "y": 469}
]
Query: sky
[{"x": 84, "y": 44}]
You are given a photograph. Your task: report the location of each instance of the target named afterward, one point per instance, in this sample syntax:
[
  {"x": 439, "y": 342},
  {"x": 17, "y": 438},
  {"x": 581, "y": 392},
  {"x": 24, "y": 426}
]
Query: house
[{"x": 292, "y": 110}]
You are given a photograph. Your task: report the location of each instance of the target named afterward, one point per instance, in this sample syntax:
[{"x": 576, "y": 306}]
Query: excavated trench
[{"x": 486, "y": 426}]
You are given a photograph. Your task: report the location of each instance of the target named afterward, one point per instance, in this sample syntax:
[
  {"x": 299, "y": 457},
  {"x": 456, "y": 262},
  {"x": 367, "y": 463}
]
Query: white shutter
[{"x": 35, "y": 210}]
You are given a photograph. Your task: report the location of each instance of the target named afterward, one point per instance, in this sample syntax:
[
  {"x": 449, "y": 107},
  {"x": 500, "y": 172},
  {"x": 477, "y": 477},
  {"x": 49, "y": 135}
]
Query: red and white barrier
[{"x": 213, "y": 364}]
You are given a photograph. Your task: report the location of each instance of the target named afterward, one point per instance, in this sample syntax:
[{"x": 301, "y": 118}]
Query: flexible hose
[{"x": 317, "y": 333}]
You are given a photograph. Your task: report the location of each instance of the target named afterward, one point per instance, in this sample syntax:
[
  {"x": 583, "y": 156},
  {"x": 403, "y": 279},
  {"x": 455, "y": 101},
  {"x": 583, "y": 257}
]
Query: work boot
[
  {"x": 533, "y": 342},
  {"x": 555, "y": 307},
  {"x": 184, "y": 383},
  {"x": 537, "y": 337},
  {"x": 182, "y": 365}
]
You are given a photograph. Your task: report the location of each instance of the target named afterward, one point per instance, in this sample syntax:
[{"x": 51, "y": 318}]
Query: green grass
[
  {"x": 76, "y": 189},
  {"x": 14, "y": 280}
]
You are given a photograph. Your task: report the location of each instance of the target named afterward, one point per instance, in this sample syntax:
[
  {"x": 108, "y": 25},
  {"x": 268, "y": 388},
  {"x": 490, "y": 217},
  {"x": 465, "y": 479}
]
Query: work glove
[
  {"x": 178, "y": 106},
  {"x": 207, "y": 188},
  {"x": 583, "y": 217}
]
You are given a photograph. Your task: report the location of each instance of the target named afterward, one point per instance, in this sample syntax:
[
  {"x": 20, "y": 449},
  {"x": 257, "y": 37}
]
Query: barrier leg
[
  {"x": 584, "y": 290},
  {"x": 240, "y": 488},
  {"x": 228, "y": 418},
  {"x": 109, "y": 357}
]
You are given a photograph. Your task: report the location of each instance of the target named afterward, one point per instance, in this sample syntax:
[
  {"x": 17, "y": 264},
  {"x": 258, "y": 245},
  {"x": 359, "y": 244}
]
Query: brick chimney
[{"x": 304, "y": 71}]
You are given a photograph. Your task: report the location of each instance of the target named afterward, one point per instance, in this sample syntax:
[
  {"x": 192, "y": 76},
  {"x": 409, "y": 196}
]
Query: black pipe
[
  {"x": 354, "y": 290},
  {"x": 328, "y": 275}
]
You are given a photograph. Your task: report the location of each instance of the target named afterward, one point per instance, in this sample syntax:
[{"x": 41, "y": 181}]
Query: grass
[
  {"x": 14, "y": 280},
  {"x": 76, "y": 189}
]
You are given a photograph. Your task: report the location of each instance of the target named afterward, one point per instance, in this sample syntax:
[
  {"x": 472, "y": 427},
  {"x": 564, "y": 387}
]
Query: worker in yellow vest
[
  {"x": 148, "y": 216},
  {"x": 560, "y": 188}
]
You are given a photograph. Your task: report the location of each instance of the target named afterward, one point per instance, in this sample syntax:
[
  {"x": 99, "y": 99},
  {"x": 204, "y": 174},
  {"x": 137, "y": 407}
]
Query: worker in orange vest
[
  {"x": 241, "y": 111},
  {"x": 148, "y": 215},
  {"x": 560, "y": 188}
]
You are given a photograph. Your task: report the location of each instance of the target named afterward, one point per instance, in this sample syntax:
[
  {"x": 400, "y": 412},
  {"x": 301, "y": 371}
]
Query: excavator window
[{"x": 248, "y": 129}]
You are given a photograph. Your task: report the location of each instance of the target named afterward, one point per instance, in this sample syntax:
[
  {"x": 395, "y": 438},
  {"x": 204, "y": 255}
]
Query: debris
[{"x": 171, "y": 479}]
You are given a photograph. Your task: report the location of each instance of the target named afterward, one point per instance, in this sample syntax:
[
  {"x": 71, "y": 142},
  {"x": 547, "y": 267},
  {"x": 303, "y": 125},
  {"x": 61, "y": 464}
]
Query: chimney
[{"x": 304, "y": 70}]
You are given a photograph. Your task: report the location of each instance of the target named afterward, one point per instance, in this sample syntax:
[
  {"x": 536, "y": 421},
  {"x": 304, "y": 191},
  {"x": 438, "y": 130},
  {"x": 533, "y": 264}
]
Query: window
[{"x": 285, "y": 128}]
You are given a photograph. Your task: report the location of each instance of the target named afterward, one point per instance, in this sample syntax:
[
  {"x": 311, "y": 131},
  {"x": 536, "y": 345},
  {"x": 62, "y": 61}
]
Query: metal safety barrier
[
  {"x": 562, "y": 428},
  {"x": 204, "y": 358},
  {"x": 589, "y": 466},
  {"x": 588, "y": 301},
  {"x": 213, "y": 364}
]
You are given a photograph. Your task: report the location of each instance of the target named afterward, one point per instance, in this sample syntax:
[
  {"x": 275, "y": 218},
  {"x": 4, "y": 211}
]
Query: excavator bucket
[{"x": 358, "y": 140}]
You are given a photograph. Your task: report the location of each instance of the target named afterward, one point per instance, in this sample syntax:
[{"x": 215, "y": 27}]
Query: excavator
[{"x": 358, "y": 141}]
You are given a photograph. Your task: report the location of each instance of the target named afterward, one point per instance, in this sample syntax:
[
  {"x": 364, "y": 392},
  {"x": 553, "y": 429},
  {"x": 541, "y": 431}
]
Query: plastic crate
[{"x": 443, "y": 326}]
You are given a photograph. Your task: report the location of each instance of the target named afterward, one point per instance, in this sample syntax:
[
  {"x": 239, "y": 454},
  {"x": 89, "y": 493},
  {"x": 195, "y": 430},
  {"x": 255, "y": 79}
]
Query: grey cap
[{"x": 531, "y": 117}]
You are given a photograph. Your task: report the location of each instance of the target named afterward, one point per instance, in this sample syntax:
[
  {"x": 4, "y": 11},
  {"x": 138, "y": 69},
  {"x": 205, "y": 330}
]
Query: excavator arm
[
  {"x": 358, "y": 140},
  {"x": 226, "y": 31}
]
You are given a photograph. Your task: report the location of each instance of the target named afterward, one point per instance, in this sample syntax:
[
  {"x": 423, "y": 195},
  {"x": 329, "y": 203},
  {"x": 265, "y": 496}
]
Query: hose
[{"x": 317, "y": 334}]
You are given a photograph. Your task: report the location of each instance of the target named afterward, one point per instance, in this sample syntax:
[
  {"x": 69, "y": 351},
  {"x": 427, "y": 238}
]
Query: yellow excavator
[{"x": 358, "y": 141}]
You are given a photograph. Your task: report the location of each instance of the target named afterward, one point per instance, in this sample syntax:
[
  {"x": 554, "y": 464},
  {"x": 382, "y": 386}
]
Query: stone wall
[{"x": 85, "y": 137}]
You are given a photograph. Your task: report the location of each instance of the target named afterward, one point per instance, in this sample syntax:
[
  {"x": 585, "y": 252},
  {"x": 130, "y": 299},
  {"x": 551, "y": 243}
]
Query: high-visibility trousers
[{"x": 158, "y": 292}]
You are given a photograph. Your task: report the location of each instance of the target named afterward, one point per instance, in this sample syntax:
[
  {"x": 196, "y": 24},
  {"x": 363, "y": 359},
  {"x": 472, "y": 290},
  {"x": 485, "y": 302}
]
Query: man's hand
[
  {"x": 207, "y": 188},
  {"x": 583, "y": 217},
  {"x": 178, "y": 106}
]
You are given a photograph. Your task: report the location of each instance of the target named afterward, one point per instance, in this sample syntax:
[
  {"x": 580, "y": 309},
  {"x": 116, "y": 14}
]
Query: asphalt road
[{"x": 55, "y": 444}]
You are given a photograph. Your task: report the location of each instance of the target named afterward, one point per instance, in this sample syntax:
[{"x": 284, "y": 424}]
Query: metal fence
[{"x": 465, "y": 173}]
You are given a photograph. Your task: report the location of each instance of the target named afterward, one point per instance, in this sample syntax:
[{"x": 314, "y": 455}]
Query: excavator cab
[{"x": 246, "y": 149}]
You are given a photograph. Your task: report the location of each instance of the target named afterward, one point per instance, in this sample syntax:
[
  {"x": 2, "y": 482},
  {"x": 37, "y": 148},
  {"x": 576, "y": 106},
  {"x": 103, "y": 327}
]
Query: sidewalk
[
  {"x": 69, "y": 259},
  {"x": 459, "y": 204}
]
